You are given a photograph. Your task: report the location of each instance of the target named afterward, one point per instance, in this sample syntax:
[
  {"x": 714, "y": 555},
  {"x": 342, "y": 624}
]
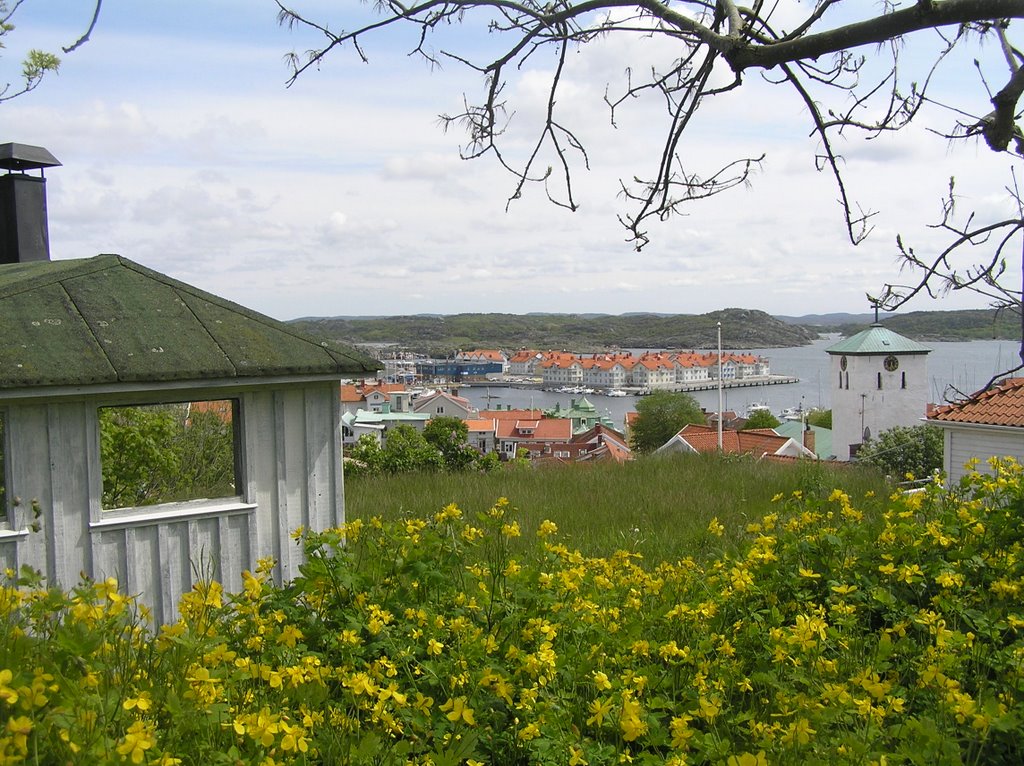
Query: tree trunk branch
[{"x": 876, "y": 30}]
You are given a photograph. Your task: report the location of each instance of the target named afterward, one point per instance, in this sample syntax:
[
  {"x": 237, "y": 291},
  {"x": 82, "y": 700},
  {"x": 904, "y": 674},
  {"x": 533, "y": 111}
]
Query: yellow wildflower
[
  {"x": 7, "y": 694},
  {"x": 681, "y": 731},
  {"x": 631, "y": 720},
  {"x": 528, "y": 732},
  {"x": 748, "y": 759},
  {"x": 576, "y": 756},
  {"x": 800, "y": 731},
  {"x": 142, "y": 702},
  {"x": 137, "y": 740},
  {"x": 547, "y": 528},
  {"x": 458, "y": 710},
  {"x": 599, "y": 709}
]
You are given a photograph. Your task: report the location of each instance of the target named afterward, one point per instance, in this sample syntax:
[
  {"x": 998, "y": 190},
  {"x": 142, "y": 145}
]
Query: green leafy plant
[
  {"x": 905, "y": 451},
  {"x": 660, "y": 416},
  {"x": 761, "y": 419},
  {"x": 839, "y": 630}
]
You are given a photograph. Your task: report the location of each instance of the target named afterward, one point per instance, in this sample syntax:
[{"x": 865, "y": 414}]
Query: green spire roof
[
  {"x": 877, "y": 340},
  {"x": 107, "y": 319}
]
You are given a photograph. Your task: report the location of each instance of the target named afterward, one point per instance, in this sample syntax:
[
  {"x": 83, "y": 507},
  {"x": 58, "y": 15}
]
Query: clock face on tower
[
  {"x": 842, "y": 363},
  {"x": 891, "y": 363}
]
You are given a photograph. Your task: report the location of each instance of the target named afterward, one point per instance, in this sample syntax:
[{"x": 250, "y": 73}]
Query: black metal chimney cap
[{"x": 25, "y": 157}]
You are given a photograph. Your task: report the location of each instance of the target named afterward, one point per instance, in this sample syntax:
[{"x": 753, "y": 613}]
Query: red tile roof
[
  {"x": 1001, "y": 405},
  {"x": 512, "y": 414},
  {"x": 222, "y": 408},
  {"x": 351, "y": 394},
  {"x": 757, "y": 442},
  {"x": 524, "y": 356},
  {"x": 485, "y": 353},
  {"x": 548, "y": 429},
  {"x": 357, "y": 393},
  {"x": 460, "y": 400}
]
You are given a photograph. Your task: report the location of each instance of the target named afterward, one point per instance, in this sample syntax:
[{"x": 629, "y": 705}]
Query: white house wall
[
  {"x": 963, "y": 442},
  {"x": 290, "y": 446}
]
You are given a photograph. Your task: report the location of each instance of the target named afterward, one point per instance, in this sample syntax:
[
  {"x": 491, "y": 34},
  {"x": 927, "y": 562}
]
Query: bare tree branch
[
  {"x": 711, "y": 48},
  {"x": 85, "y": 37}
]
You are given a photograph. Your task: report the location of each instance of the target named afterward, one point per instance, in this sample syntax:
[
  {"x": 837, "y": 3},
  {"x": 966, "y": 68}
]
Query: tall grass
[{"x": 659, "y": 507}]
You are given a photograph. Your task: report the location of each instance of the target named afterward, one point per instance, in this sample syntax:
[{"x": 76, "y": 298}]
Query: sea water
[{"x": 952, "y": 367}]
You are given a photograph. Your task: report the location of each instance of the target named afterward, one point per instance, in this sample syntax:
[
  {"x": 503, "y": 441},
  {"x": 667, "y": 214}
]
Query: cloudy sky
[{"x": 183, "y": 149}]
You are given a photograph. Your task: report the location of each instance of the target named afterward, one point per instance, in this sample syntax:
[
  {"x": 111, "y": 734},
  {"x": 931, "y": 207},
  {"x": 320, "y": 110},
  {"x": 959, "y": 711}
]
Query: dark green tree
[
  {"x": 163, "y": 453},
  {"x": 820, "y": 418},
  {"x": 138, "y": 461},
  {"x": 761, "y": 419},
  {"x": 903, "y": 450},
  {"x": 660, "y": 416},
  {"x": 364, "y": 457},
  {"x": 487, "y": 462},
  {"x": 404, "y": 450},
  {"x": 449, "y": 436},
  {"x": 205, "y": 448}
]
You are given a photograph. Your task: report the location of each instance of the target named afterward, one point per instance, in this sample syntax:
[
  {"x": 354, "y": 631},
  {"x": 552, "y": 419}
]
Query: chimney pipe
[{"x": 24, "y": 234}]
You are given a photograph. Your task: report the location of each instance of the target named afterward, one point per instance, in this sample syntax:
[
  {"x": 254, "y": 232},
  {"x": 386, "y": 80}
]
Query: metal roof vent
[{"x": 24, "y": 234}]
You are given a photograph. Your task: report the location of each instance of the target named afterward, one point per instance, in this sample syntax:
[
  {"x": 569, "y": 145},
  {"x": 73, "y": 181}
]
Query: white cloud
[{"x": 342, "y": 195}]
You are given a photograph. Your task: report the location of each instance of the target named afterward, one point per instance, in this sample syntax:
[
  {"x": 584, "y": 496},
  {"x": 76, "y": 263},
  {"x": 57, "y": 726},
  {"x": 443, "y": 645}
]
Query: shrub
[
  {"x": 825, "y": 637},
  {"x": 905, "y": 451}
]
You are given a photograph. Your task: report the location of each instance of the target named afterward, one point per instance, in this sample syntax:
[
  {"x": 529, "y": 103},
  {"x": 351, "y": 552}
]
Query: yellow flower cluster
[{"x": 838, "y": 631}]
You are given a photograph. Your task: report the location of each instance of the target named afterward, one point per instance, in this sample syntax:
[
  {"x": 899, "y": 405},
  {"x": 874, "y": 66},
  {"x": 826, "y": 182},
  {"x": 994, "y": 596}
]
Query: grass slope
[{"x": 659, "y": 506}]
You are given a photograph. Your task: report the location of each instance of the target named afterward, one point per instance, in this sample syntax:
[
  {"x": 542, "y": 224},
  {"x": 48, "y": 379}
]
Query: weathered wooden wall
[
  {"x": 962, "y": 442},
  {"x": 290, "y": 471}
]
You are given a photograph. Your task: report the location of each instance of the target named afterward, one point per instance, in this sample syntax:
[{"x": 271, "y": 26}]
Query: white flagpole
[{"x": 719, "y": 386}]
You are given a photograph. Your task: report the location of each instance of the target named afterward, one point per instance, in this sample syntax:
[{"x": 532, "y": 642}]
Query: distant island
[{"x": 440, "y": 335}]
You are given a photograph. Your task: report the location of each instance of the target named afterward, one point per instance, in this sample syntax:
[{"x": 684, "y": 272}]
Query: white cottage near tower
[{"x": 879, "y": 380}]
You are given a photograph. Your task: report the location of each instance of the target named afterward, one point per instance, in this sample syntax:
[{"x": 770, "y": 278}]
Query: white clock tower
[{"x": 879, "y": 380}]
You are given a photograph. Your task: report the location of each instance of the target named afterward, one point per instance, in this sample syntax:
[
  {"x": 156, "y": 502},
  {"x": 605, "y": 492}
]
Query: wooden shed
[{"x": 83, "y": 335}]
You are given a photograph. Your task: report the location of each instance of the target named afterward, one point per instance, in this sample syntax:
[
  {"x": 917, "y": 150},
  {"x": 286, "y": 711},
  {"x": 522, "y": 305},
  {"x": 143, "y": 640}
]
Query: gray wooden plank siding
[
  {"x": 290, "y": 443},
  {"x": 962, "y": 444}
]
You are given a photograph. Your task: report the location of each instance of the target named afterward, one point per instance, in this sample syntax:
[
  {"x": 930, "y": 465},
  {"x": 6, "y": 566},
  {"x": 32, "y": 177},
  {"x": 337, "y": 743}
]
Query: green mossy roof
[{"x": 107, "y": 320}]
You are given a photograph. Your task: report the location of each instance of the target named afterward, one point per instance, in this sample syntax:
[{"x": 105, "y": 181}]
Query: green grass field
[{"x": 659, "y": 507}]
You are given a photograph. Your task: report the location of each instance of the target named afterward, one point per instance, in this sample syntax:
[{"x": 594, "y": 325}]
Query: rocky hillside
[{"x": 440, "y": 335}]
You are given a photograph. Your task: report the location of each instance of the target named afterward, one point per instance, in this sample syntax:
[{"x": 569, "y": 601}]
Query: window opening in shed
[{"x": 170, "y": 452}]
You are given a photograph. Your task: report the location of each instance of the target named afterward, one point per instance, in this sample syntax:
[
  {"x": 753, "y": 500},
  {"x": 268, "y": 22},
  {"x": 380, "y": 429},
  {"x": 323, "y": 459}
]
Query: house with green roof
[
  {"x": 89, "y": 337},
  {"x": 582, "y": 413}
]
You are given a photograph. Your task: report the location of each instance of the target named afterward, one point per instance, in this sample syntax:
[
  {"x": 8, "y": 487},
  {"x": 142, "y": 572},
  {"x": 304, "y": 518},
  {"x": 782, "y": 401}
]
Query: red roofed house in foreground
[{"x": 987, "y": 424}]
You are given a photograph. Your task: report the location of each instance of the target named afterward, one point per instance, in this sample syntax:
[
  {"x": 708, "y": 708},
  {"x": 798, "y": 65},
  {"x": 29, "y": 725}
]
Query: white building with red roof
[
  {"x": 987, "y": 424},
  {"x": 485, "y": 355},
  {"x": 441, "y": 404},
  {"x": 759, "y": 442},
  {"x": 534, "y": 436}
]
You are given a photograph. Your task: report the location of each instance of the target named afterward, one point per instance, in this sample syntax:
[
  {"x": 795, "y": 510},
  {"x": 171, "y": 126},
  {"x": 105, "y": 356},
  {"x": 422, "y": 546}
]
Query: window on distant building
[
  {"x": 903, "y": 380},
  {"x": 879, "y": 381},
  {"x": 169, "y": 452}
]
